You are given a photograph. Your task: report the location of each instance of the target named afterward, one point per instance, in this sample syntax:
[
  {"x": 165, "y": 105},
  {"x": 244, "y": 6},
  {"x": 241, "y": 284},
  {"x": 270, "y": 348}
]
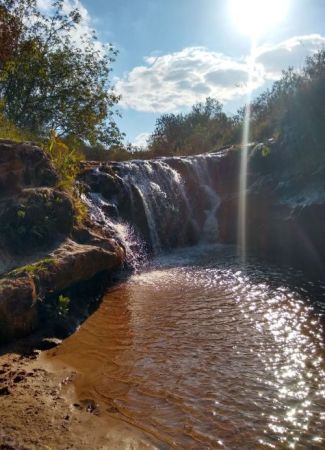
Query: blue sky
[{"x": 173, "y": 53}]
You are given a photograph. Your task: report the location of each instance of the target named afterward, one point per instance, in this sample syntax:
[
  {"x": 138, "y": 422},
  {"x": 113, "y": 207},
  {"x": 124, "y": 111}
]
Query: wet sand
[{"x": 38, "y": 410}]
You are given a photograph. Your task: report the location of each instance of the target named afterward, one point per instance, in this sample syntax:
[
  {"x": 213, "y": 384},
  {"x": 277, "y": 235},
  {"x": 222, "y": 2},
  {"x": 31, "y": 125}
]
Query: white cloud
[
  {"x": 141, "y": 140},
  {"x": 291, "y": 52},
  {"x": 44, "y": 5},
  {"x": 171, "y": 82}
]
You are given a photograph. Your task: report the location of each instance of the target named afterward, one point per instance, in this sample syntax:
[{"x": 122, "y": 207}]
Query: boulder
[
  {"x": 35, "y": 219},
  {"x": 18, "y": 312},
  {"x": 71, "y": 263},
  {"x": 24, "y": 165},
  {"x": 74, "y": 262}
]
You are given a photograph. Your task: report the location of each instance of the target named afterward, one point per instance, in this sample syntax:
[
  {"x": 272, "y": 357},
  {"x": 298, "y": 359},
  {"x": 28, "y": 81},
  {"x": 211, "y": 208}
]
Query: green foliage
[
  {"x": 293, "y": 111},
  {"x": 205, "y": 128},
  {"x": 63, "y": 305},
  {"x": 66, "y": 160},
  {"x": 265, "y": 150},
  {"x": 55, "y": 308},
  {"x": 33, "y": 269},
  {"x": 116, "y": 153},
  {"x": 48, "y": 82},
  {"x": 9, "y": 131}
]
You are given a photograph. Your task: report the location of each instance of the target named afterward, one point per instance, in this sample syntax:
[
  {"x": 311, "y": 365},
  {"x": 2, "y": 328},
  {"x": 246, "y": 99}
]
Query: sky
[{"x": 175, "y": 53}]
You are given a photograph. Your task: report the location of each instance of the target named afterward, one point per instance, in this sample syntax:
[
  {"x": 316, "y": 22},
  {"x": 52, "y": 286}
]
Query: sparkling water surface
[{"x": 205, "y": 355}]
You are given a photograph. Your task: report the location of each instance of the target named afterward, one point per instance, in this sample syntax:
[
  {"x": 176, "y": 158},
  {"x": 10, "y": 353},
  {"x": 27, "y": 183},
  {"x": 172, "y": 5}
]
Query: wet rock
[
  {"x": 31, "y": 354},
  {"x": 90, "y": 406},
  {"x": 75, "y": 262},
  {"x": 47, "y": 344},
  {"x": 66, "y": 266}
]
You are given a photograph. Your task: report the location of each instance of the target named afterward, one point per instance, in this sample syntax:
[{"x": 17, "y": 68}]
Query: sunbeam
[{"x": 256, "y": 17}]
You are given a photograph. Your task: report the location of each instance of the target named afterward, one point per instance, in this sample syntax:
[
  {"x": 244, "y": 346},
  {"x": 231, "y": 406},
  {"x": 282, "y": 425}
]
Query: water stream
[
  {"x": 202, "y": 347},
  {"x": 203, "y": 355},
  {"x": 166, "y": 202}
]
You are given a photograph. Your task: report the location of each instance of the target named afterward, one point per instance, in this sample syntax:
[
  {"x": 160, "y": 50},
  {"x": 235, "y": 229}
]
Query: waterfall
[
  {"x": 165, "y": 202},
  {"x": 121, "y": 231}
]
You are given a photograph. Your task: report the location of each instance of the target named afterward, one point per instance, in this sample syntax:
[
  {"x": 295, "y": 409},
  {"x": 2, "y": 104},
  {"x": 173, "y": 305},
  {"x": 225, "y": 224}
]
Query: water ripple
[{"x": 204, "y": 355}]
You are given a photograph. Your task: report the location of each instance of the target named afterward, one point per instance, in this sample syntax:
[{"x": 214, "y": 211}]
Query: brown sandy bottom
[{"x": 38, "y": 410}]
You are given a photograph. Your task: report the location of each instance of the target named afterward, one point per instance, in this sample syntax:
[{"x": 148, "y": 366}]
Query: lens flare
[
  {"x": 256, "y": 17},
  {"x": 242, "y": 205}
]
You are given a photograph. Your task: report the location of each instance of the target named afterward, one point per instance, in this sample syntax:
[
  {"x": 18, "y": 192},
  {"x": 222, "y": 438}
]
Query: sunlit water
[{"x": 203, "y": 356}]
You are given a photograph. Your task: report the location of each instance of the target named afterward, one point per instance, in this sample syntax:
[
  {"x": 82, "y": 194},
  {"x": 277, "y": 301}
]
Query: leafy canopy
[
  {"x": 205, "y": 128},
  {"x": 49, "y": 80}
]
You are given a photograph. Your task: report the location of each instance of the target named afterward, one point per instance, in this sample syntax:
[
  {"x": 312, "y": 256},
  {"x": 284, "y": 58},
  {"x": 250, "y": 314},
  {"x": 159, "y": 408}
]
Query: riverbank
[{"x": 39, "y": 409}]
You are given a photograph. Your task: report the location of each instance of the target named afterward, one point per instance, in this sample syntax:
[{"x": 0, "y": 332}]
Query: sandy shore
[{"x": 38, "y": 410}]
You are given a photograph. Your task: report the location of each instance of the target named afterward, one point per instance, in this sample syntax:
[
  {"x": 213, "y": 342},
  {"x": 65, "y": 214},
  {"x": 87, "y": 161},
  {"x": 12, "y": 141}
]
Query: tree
[
  {"x": 49, "y": 81},
  {"x": 10, "y": 30},
  {"x": 205, "y": 128},
  {"x": 168, "y": 136},
  {"x": 293, "y": 111}
]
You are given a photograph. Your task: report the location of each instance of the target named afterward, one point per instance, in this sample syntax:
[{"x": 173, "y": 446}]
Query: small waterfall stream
[
  {"x": 166, "y": 203},
  {"x": 122, "y": 231}
]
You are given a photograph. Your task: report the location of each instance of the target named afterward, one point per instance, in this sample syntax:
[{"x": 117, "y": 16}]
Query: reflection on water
[{"x": 204, "y": 356}]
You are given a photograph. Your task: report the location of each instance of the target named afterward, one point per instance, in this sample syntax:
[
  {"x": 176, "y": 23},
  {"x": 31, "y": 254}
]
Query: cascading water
[
  {"x": 121, "y": 231},
  {"x": 170, "y": 202}
]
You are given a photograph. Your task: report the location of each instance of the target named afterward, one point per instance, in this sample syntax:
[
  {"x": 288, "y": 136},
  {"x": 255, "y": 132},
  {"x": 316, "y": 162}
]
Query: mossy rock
[{"x": 36, "y": 219}]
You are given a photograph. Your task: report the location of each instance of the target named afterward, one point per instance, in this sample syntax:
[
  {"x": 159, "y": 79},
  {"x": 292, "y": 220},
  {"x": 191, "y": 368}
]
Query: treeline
[
  {"x": 205, "y": 128},
  {"x": 292, "y": 111},
  {"x": 57, "y": 91}
]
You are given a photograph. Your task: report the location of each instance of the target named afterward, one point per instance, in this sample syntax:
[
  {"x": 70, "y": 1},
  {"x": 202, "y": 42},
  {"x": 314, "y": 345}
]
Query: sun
[{"x": 256, "y": 17}]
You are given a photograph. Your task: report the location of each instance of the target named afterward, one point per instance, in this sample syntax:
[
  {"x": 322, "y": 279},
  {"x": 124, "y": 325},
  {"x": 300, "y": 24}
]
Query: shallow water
[{"x": 203, "y": 355}]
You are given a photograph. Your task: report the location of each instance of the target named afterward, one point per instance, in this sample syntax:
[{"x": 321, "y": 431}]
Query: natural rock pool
[{"x": 202, "y": 354}]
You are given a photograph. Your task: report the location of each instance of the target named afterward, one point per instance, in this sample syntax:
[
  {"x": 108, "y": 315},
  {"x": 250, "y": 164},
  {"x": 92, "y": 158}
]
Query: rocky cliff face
[
  {"x": 285, "y": 211},
  {"x": 42, "y": 250},
  {"x": 183, "y": 201}
]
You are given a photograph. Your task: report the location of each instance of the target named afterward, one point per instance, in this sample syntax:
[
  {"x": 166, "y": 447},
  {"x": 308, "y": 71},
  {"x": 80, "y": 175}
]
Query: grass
[
  {"x": 65, "y": 159},
  {"x": 10, "y": 132},
  {"x": 33, "y": 269}
]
